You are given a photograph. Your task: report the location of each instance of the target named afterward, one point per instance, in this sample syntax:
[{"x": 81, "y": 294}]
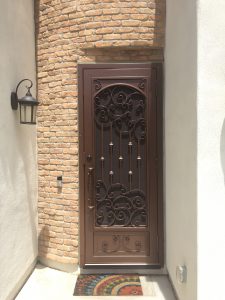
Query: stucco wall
[
  {"x": 211, "y": 150},
  {"x": 190, "y": 86},
  {"x": 180, "y": 173},
  {"x": 18, "y": 192}
]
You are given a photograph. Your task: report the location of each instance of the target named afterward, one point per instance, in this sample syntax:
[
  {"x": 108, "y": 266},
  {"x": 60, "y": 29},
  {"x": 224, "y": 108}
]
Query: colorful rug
[{"x": 108, "y": 285}]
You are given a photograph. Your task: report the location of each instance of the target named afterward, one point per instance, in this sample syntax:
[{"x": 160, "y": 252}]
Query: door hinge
[
  {"x": 83, "y": 158},
  {"x": 156, "y": 162},
  {"x": 156, "y": 83},
  {"x": 157, "y": 244}
]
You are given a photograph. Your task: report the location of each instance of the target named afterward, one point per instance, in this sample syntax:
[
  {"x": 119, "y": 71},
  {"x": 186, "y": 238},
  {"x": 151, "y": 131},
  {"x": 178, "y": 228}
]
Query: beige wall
[
  {"x": 18, "y": 192},
  {"x": 195, "y": 171},
  {"x": 180, "y": 173},
  {"x": 211, "y": 150}
]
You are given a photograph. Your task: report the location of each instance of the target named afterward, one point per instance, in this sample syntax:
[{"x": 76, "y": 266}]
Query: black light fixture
[{"x": 28, "y": 105}]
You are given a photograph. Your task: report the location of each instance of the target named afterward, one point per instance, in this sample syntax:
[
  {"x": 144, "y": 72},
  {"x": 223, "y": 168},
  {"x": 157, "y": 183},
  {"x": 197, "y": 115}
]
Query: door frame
[{"x": 158, "y": 66}]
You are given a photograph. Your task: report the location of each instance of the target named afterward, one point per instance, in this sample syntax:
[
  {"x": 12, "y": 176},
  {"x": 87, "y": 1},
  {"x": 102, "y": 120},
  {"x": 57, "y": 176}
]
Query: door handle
[{"x": 90, "y": 188}]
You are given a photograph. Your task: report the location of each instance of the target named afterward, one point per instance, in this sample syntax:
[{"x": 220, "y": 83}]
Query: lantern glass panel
[
  {"x": 25, "y": 113},
  {"x": 34, "y": 113}
]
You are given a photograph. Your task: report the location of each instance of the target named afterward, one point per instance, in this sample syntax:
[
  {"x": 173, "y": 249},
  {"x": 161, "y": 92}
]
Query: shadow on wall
[
  {"x": 43, "y": 240},
  {"x": 37, "y": 31},
  {"x": 19, "y": 185},
  {"x": 37, "y": 16},
  {"x": 222, "y": 149},
  {"x": 27, "y": 150},
  {"x": 160, "y": 21},
  {"x": 122, "y": 54}
]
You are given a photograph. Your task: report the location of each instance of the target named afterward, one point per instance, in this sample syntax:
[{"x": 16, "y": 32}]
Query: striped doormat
[{"x": 108, "y": 285}]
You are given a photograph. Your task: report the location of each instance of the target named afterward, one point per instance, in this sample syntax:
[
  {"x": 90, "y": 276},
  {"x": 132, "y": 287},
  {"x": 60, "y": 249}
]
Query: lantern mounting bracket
[{"x": 14, "y": 96}]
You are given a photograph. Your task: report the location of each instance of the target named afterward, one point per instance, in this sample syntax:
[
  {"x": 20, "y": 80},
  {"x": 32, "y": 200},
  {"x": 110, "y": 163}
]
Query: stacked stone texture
[{"x": 69, "y": 32}]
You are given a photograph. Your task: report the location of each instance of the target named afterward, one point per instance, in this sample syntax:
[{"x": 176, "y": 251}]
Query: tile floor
[{"x": 49, "y": 284}]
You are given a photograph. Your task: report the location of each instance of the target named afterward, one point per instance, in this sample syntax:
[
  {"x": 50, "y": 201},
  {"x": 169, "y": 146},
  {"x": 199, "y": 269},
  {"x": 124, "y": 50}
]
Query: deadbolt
[{"x": 89, "y": 157}]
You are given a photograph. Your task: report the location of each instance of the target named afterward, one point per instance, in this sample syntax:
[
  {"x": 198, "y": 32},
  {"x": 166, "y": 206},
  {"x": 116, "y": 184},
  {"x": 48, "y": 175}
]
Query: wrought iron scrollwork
[
  {"x": 141, "y": 84},
  {"x": 120, "y": 124},
  {"x": 98, "y": 85},
  {"x": 117, "y": 206},
  {"x": 121, "y": 243},
  {"x": 122, "y": 106}
]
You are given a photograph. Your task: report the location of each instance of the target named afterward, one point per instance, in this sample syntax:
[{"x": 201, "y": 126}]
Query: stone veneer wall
[{"x": 68, "y": 32}]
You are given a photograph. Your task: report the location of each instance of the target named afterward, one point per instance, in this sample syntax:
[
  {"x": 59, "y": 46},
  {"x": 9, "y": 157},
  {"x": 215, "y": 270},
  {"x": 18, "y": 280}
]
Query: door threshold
[{"x": 123, "y": 269}]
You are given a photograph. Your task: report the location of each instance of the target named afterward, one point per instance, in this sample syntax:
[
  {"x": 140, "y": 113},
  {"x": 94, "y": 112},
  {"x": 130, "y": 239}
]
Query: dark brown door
[{"x": 120, "y": 164}]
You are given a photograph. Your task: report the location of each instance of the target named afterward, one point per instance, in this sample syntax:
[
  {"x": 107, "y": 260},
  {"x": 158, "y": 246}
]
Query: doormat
[{"x": 108, "y": 285}]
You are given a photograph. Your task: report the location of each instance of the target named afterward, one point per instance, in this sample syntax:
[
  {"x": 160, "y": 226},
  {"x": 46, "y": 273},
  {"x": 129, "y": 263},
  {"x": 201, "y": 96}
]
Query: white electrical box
[{"x": 181, "y": 274}]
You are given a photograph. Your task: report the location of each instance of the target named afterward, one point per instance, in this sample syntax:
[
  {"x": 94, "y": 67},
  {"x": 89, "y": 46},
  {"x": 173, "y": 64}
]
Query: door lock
[{"x": 89, "y": 157}]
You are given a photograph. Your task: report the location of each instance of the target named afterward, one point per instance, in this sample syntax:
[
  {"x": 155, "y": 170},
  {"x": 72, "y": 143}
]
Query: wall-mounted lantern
[{"x": 28, "y": 105}]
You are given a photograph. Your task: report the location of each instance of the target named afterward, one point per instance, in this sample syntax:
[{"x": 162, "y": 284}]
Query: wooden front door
[{"x": 120, "y": 164}]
